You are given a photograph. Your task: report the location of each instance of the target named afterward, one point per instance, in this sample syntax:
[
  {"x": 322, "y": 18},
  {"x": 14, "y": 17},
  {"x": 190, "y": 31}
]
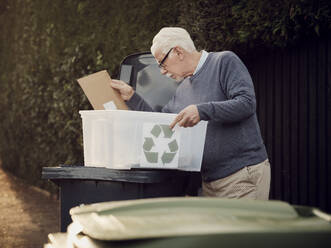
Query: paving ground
[{"x": 27, "y": 214}]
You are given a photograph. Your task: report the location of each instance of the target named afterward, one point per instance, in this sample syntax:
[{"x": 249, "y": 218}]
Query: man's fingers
[
  {"x": 183, "y": 122},
  {"x": 116, "y": 85},
  {"x": 116, "y": 81},
  {"x": 176, "y": 120},
  {"x": 124, "y": 89},
  {"x": 173, "y": 124}
]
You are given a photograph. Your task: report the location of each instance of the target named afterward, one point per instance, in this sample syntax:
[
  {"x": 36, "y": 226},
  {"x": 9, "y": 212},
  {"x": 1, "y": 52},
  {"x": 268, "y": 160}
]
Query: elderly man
[{"x": 215, "y": 87}]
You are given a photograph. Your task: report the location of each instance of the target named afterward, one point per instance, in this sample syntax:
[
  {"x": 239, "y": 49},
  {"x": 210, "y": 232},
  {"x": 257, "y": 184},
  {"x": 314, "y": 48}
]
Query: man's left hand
[{"x": 188, "y": 117}]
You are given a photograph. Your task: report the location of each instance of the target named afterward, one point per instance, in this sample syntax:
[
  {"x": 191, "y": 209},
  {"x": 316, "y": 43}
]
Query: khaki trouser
[{"x": 251, "y": 182}]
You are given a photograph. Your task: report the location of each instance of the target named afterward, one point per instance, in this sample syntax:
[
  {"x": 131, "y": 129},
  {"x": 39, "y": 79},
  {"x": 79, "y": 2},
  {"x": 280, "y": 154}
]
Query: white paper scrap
[{"x": 110, "y": 105}]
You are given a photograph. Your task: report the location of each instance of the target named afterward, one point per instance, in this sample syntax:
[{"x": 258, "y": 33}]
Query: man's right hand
[{"x": 125, "y": 90}]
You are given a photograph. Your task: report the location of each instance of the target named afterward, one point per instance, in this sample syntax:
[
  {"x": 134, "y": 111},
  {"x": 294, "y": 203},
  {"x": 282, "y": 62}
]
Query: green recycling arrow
[
  {"x": 148, "y": 144},
  {"x": 167, "y": 131},
  {"x": 173, "y": 146},
  {"x": 167, "y": 157},
  {"x": 151, "y": 157},
  {"x": 156, "y": 131}
]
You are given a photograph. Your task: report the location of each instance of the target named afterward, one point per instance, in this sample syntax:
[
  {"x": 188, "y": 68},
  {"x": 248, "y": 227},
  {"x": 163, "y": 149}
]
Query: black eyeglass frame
[{"x": 164, "y": 59}]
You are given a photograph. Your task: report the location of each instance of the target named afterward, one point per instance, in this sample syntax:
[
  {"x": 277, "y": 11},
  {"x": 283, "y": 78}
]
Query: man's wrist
[{"x": 203, "y": 109}]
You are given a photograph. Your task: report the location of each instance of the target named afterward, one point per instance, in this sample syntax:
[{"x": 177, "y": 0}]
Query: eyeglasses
[{"x": 164, "y": 59}]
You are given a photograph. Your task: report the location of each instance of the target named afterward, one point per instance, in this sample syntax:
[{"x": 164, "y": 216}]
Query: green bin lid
[{"x": 189, "y": 216}]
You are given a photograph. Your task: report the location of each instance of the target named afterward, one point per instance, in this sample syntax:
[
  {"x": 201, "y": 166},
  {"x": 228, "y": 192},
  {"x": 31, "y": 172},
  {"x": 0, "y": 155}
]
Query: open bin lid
[{"x": 141, "y": 71}]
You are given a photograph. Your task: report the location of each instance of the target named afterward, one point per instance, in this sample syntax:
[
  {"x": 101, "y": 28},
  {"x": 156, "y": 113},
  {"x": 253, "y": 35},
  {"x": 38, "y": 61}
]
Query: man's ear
[{"x": 180, "y": 52}]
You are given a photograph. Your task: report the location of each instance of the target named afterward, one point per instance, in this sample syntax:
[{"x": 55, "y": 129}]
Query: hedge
[
  {"x": 45, "y": 46},
  {"x": 245, "y": 26}
]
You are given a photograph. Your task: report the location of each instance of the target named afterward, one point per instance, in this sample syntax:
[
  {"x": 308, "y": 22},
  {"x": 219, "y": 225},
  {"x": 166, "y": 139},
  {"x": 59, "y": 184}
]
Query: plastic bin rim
[{"x": 95, "y": 112}]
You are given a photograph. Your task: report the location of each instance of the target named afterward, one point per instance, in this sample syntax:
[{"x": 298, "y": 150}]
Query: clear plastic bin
[{"x": 121, "y": 139}]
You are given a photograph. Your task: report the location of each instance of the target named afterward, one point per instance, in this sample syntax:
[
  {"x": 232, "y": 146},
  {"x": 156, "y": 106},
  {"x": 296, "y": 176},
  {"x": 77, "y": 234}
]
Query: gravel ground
[{"x": 27, "y": 214}]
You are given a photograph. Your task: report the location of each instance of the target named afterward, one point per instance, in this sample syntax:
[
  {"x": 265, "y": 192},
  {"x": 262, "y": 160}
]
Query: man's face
[{"x": 172, "y": 64}]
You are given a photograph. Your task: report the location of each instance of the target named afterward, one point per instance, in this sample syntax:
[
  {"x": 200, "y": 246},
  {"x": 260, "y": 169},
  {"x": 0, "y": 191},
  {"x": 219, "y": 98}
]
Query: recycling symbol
[{"x": 156, "y": 134}]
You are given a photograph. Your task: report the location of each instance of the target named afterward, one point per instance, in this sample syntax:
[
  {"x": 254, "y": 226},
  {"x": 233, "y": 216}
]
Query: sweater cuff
[
  {"x": 134, "y": 101},
  {"x": 204, "y": 111}
]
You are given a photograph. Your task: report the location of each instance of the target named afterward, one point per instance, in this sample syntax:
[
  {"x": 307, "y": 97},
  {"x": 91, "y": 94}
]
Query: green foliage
[
  {"x": 241, "y": 25},
  {"x": 45, "y": 45}
]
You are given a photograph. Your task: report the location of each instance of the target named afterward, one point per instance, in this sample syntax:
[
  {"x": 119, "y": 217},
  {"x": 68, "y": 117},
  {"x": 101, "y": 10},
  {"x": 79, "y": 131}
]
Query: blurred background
[{"x": 45, "y": 45}]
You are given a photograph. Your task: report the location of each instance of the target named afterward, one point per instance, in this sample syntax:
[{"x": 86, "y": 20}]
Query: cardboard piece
[{"x": 98, "y": 90}]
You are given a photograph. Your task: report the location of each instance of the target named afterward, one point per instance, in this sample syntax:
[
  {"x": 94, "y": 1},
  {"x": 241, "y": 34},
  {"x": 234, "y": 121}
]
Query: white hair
[{"x": 170, "y": 37}]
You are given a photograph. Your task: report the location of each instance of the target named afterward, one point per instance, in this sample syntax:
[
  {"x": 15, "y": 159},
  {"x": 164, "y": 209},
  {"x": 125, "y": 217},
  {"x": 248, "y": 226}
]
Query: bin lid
[
  {"x": 190, "y": 216},
  {"x": 141, "y": 71},
  {"x": 105, "y": 174}
]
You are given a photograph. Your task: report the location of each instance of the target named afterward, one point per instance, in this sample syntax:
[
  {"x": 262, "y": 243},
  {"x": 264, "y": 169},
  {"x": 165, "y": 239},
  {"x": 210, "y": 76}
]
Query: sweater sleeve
[
  {"x": 238, "y": 87},
  {"x": 138, "y": 103}
]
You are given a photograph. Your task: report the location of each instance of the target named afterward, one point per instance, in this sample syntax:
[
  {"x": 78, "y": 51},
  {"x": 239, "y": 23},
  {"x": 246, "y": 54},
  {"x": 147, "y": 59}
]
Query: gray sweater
[{"x": 224, "y": 94}]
